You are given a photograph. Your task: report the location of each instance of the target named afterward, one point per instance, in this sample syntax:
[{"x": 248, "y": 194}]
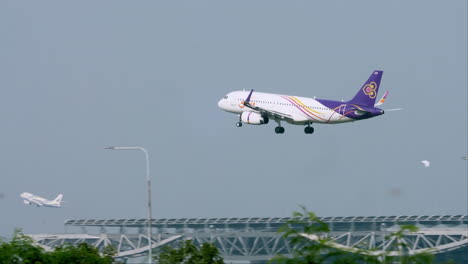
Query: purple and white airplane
[{"x": 258, "y": 108}]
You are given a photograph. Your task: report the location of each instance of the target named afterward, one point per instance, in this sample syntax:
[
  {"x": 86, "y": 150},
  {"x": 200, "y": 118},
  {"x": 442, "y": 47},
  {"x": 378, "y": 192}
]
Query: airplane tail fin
[
  {"x": 368, "y": 92},
  {"x": 58, "y": 199}
]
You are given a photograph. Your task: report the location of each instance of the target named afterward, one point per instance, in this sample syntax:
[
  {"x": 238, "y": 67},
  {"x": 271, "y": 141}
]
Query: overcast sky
[{"x": 77, "y": 76}]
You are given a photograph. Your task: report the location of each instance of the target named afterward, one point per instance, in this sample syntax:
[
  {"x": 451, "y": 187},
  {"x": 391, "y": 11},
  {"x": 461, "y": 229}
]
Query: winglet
[
  {"x": 248, "y": 97},
  {"x": 382, "y": 100}
]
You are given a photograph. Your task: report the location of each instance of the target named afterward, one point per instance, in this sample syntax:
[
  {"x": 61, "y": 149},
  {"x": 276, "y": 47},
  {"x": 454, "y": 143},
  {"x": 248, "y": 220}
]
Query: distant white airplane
[
  {"x": 426, "y": 163},
  {"x": 32, "y": 199},
  {"x": 258, "y": 108}
]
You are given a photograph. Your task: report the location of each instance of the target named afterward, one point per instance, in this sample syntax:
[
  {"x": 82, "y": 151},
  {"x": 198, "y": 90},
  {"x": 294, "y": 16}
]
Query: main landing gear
[
  {"x": 279, "y": 129},
  {"x": 308, "y": 129}
]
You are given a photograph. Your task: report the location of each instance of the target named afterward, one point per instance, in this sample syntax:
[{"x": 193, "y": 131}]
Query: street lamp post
[{"x": 148, "y": 179}]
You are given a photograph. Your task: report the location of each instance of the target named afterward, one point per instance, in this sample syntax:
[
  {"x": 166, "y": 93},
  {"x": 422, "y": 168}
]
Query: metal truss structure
[{"x": 256, "y": 239}]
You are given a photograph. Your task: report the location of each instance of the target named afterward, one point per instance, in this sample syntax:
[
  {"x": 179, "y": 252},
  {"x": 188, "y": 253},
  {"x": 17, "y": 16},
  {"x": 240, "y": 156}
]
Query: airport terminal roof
[{"x": 262, "y": 220}]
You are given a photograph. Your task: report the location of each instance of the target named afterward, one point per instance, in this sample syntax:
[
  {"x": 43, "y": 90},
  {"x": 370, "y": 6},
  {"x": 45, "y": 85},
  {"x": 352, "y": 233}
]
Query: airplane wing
[
  {"x": 270, "y": 113},
  {"x": 37, "y": 203}
]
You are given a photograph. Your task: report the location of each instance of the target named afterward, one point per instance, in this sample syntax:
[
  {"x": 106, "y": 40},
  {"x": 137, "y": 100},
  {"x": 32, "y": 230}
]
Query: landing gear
[
  {"x": 279, "y": 130},
  {"x": 239, "y": 123},
  {"x": 308, "y": 129}
]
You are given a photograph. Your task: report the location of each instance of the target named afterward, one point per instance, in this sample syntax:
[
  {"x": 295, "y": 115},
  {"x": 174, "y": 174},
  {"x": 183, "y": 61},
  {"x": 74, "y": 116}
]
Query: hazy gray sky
[{"x": 77, "y": 76}]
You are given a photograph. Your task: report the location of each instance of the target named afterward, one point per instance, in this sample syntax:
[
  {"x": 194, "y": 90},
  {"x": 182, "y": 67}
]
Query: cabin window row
[{"x": 265, "y": 102}]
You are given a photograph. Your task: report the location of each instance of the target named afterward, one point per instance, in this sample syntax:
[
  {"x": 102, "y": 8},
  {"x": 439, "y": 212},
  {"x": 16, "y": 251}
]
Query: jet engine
[
  {"x": 252, "y": 118},
  {"x": 26, "y": 202}
]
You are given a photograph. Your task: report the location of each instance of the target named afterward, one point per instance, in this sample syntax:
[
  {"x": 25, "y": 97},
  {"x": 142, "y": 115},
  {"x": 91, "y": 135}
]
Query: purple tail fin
[{"x": 368, "y": 92}]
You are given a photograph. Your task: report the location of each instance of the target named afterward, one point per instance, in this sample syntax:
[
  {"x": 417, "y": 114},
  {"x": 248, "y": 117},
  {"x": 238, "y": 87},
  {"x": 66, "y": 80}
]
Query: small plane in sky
[
  {"x": 29, "y": 198},
  {"x": 258, "y": 108}
]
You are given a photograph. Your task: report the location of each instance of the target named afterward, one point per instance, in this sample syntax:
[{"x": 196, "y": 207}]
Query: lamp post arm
[{"x": 148, "y": 179}]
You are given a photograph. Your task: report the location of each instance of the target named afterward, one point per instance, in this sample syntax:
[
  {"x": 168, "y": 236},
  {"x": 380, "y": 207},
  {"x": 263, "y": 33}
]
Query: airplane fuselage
[{"x": 302, "y": 110}]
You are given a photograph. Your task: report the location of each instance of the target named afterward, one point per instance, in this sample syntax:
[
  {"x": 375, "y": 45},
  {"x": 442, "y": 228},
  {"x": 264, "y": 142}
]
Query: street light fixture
[{"x": 148, "y": 179}]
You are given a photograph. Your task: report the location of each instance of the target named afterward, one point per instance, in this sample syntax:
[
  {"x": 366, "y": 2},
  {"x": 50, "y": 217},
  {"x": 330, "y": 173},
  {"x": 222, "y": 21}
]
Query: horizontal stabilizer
[
  {"x": 394, "y": 109},
  {"x": 382, "y": 100}
]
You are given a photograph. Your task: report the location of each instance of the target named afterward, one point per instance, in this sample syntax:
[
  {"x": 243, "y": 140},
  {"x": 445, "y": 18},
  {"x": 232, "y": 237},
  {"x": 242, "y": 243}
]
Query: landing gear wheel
[
  {"x": 238, "y": 124},
  {"x": 309, "y": 130},
  {"x": 279, "y": 130}
]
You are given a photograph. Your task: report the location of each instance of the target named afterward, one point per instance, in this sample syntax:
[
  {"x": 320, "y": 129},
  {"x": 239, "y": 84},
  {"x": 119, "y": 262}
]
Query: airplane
[
  {"x": 258, "y": 108},
  {"x": 30, "y": 198}
]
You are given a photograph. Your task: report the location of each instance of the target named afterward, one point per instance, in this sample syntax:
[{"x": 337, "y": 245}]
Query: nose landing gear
[{"x": 239, "y": 123}]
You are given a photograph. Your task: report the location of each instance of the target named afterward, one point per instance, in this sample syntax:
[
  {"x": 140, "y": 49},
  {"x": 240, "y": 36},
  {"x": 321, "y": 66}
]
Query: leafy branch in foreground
[
  {"x": 187, "y": 252},
  {"x": 311, "y": 243},
  {"x": 21, "y": 249}
]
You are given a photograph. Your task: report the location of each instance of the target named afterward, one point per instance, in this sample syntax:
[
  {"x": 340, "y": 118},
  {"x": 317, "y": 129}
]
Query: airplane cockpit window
[{"x": 226, "y": 97}]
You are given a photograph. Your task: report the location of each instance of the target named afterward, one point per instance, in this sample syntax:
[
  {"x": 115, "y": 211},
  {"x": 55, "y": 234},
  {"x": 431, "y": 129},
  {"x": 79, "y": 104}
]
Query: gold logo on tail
[{"x": 370, "y": 90}]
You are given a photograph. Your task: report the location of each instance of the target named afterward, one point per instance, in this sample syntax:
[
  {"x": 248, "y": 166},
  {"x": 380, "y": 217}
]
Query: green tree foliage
[
  {"x": 313, "y": 245},
  {"x": 22, "y": 250},
  {"x": 81, "y": 254},
  {"x": 188, "y": 253}
]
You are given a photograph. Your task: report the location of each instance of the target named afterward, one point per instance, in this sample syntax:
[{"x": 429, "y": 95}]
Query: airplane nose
[{"x": 220, "y": 103}]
